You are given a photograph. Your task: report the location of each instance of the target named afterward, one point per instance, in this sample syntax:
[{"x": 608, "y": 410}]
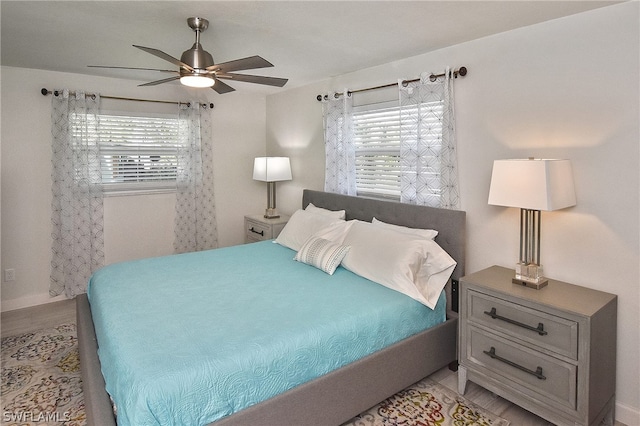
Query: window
[
  {"x": 377, "y": 144},
  {"x": 376, "y": 136},
  {"x": 137, "y": 153}
]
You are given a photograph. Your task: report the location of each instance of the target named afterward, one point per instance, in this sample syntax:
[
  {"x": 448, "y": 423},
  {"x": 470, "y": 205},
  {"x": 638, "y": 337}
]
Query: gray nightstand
[
  {"x": 552, "y": 351},
  {"x": 258, "y": 228}
]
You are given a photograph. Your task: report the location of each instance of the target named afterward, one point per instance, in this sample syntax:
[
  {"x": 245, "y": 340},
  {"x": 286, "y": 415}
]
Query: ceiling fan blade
[
  {"x": 131, "y": 68},
  {"x": 160, "y": 54},
  {"x": 258, "y": 79},
  {"x": 155, "y": 83},
  {"x": 222, "y": 87},
  {"x": 249, "y": 63}
]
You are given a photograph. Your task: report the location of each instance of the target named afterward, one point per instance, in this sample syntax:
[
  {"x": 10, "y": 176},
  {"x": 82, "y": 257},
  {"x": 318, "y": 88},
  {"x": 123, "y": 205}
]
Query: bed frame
[{"x": 342, "y": 394}]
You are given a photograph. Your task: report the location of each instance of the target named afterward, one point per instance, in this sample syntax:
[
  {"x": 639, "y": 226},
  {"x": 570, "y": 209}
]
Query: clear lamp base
[
  {"x": 271, "y": 213},
  {"x": 529, "y": 275}
]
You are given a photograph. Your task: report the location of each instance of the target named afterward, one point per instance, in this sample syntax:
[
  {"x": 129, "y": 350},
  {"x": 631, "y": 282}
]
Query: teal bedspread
[{"x": 189, "y": 339}]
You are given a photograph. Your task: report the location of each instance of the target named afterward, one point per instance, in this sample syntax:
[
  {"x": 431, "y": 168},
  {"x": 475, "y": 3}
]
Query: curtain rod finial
[{"x": 44, "y": 91}]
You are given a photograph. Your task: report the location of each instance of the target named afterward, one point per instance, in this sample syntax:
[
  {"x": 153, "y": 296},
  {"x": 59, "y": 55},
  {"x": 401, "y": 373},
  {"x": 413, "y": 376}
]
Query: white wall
[
  {"x": 135, "y": 226},
  {"x": 568, "y": 88}
]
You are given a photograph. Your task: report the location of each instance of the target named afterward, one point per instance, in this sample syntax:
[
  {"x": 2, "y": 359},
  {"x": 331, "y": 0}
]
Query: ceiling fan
[{"x": 197, "y": 69}]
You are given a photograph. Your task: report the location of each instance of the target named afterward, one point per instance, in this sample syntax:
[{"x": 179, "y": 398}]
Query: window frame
[
  {"x": 392, "y": 148},
  {"x": 108, "y": 149},
  {"x": 374, "y": 149}
]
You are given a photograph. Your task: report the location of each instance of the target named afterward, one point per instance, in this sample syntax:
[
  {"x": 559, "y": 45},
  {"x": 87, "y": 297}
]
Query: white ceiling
[{"x": 306, "y": 40}]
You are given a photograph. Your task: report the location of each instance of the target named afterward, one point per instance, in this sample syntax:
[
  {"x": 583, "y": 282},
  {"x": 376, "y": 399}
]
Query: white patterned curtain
[
  {"x": 428, "y": 157},
  {"x": 195, "y": 223},
  {"x": 340, "y": 156},
  {"x": 77, "y": 208}
]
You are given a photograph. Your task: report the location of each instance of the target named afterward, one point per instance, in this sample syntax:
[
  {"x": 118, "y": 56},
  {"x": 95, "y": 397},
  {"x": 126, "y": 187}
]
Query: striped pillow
[{"x": 323, "y": 254}]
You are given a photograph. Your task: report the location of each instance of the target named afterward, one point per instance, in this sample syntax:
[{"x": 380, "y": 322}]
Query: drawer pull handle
[
  {"x": 537, "y": 373},
  {"x": 539, "y": 329},
  {"x": 256, "y": 232}
]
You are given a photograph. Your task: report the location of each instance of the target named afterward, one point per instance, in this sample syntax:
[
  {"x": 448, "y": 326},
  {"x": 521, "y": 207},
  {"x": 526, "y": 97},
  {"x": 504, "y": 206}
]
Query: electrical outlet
[{"x": 9, "y": 275}]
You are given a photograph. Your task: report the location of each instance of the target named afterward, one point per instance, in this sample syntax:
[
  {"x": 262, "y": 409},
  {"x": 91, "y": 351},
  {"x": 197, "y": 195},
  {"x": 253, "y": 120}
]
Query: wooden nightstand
[
  {"x": 258, "y": 228},
  {"x": 552, "y": 351}
]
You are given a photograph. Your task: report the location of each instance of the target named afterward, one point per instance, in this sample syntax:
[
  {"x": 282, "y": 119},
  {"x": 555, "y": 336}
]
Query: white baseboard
[
  {"x": 627, "y": 415},
  {"x": 29, "y": 301}
]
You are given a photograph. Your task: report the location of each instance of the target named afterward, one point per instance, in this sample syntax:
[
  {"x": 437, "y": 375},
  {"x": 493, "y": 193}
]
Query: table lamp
[
  {"x": 271, "y": 170},
  {"x": 532, "y": 185}
]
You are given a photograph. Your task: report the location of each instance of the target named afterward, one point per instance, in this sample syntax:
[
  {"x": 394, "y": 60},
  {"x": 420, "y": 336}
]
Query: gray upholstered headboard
[{"x": 450, "y": 224}]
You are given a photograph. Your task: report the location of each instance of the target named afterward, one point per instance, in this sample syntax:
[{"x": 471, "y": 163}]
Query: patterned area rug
[
  {"x": 427, "y": 403},
  {"x": 41, "y": 382},
  {"x": 41, "y": 385}
]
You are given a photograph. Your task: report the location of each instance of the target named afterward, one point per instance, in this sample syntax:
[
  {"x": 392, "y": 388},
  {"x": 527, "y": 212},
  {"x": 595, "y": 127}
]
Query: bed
[{"x": 336, "y": 396}]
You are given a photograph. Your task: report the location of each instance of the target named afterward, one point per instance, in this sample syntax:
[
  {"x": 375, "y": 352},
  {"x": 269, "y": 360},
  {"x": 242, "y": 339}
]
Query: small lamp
[
  {"x": 532, "y": 185},
  {"x": 271, "y": 170}
]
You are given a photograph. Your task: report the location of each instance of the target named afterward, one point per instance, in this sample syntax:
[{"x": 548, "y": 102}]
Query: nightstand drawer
[
  {"x": 530, "y": 372},
  {"x": 259, "y": 228},
  {"x": 539, "y": 328},
  {"x": 257, "y": 231}
]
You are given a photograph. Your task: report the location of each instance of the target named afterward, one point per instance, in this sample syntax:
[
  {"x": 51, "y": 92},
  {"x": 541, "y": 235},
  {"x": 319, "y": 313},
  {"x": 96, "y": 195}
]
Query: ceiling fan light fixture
[
  {"x": 197, "y": 80},
  {"x": 197, "y": 69}
]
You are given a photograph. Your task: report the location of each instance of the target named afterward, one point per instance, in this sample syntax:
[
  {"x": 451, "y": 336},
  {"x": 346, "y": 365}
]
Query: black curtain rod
[
  {"x": 462, "y": 71},
  {"x": 46, "y": 92}
]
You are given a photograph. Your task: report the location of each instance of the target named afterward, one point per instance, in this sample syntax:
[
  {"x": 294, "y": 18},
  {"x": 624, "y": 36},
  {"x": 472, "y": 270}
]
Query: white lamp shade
[
  {"x": 535, "y": 184},
  {"x": 271, "y": 169}
]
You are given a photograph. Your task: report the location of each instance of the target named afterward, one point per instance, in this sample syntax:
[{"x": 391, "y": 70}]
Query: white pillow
[
  {"x": 321, "y": 253},
  {"x": 300, "y": 227},
  {"x": 429, "y": 234},
  {"x": 415, "y": 266},
  {"x": 336, "y": 231},
  {"x": 337, "y": 214}
]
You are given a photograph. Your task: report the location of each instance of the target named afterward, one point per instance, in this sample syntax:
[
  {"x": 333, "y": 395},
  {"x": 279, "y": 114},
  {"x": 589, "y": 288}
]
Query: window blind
[
  {"x": 137, "y": 152},
  {"x": 377, "y": 146},
  {"x": 377, "y": 138}
]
